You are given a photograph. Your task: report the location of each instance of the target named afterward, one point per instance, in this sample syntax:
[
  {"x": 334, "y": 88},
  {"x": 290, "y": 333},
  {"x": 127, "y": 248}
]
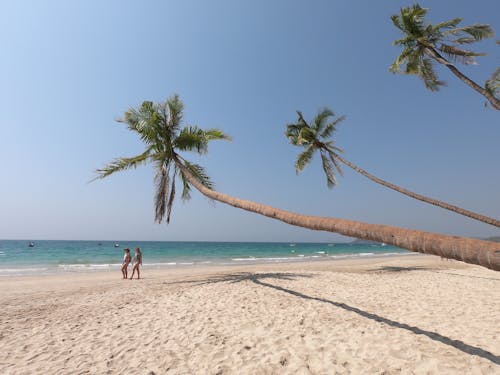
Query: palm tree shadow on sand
[
  {"x": 397, "y": 269},
  {"x": 257, "y": 278}
]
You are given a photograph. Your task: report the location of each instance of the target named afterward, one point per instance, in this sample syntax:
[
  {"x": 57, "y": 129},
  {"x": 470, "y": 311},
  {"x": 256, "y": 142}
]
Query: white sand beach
[{"x": 401, "y": 315}]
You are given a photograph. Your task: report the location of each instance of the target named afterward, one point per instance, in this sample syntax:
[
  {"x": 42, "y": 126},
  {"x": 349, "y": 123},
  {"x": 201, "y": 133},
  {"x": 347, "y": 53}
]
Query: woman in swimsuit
[
  {"x": 126, "y": 260},
  {"x": 137, "y": 262}
]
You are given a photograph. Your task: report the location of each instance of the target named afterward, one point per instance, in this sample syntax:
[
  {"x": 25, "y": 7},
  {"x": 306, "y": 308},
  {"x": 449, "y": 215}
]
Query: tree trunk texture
[
  {"x": 423, "y": 198},
  {"x": 483, "y": 253}
]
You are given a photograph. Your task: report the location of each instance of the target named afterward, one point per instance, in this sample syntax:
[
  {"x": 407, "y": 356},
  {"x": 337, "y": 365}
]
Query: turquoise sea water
[{"x": 47, "y": 257}]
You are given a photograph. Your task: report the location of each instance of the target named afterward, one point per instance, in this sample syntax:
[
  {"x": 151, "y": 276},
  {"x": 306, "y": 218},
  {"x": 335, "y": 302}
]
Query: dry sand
[{"x": 409, "y": 315}]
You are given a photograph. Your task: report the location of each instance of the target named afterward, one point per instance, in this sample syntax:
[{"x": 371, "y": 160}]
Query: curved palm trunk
[
  {"x": 435, "y": 202},
  {"x": 440, "y": 59},
  {"x": 484, "y": 253}
]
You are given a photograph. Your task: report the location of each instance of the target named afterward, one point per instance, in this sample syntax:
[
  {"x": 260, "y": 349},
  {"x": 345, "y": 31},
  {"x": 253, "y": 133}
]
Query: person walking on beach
[
  {"x": 126, "y": 261},
  {"x": 137, "y": 262}
]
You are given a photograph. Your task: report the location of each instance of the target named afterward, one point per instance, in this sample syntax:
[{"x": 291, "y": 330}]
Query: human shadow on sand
[{"x": 257, "y": 278}]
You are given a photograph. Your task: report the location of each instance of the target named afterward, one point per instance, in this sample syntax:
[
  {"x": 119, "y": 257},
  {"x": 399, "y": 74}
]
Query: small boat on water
[
  {"x": 117, "y": 245},
  {"x": 31, "y": 244}
]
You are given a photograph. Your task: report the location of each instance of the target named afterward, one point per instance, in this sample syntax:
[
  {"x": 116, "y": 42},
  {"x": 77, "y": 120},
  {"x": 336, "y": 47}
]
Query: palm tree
[
  {"x": 493, "y": 84},
  {"x": 423, "y": 44},
  {"x": 316, "y": 137},
  {"x": 158, "y": 126}
]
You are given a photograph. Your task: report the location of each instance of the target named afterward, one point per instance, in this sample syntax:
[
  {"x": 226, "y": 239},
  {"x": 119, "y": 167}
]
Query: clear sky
[{"x": 69, "y": 68}]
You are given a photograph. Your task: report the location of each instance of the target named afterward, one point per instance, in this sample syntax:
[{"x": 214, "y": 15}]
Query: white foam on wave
[
  {"x": 159, "y": 264},
  {"x": 243, "y": 259},
  {"x": 79, "y": 267}
]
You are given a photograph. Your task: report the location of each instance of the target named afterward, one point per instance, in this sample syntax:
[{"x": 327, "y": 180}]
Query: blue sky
[{"x": 68, "y": 69}]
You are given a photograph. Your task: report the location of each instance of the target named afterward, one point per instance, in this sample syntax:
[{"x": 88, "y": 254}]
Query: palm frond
[
  {"x": 292, "y": 133},
  {"x": 493, "y": 84},
  {"x": 401, "y": 59},
  {"x": 121, "y": 164},
  {"x": 162, "y": 180},
  {"x": 333, "y": 158},
  {"x": 459, "y": 55},
  {"x": 301, "y": 121},
  {"x": 176, "y": 112},
  {"x": 306, "y": 136},
  {"x": 331, "y": 127},
  {"x": 412, "y": 19},
  {"x": 396, "y": 20},
  {"x": 321, "y": 117},
  {"x": 171, "y": 198},
  {"x": 216, "y": 135},
  {"x": 304, "y": 158},
  {"x": 428, "y": 76},
  {"x": 199, "y": 173},
  {"x": 145, "y": 121},
  {"x": 450, "y": 24},
  {"x": 329, "y": 171},
  {"x": 192, "y": 138},
  {"x": 477, "y": 31},
  {"x": 186, "y": 187}
]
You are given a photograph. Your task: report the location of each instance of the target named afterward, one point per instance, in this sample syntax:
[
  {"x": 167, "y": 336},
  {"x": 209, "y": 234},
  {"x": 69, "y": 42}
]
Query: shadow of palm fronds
[{"x": 239, "y": 277}]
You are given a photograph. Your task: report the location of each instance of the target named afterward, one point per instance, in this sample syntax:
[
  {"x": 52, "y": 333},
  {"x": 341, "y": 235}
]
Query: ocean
[{"x": 49, "y": 257}]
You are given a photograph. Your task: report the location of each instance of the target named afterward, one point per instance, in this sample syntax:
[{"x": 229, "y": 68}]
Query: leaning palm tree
[
  {"x": 316, "y": 137},
  {"x": 423, "y": 45},
  {"x": 493, "y": 84},
  {"x": 158, "y": 126}
]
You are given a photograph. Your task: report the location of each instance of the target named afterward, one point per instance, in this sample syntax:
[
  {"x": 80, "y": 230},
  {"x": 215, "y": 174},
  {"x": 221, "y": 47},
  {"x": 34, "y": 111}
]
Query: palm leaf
[
  {"x": 215, "y": 135},
  {"x": 162, "y": 180},
  {"x": 451, "y": 24},
  {"x": 493, "y": 84},
  {"x": 428, "y": 75},
  {"x": 199, "y": 173},
  {"x": 304, "y": 158},
  {"x": 331, "y": 127},
  {"x": 333, "y": 158},
  {"x": 192, "y": 138},
  {"x": 171, "y": 198},
  {"x": 175, "y": 109},
  {"x": 329, "y": 171},
  {"x": 459, "y": 55},
  {"x": 292, "y": 133},
  {"x": 121, "y": 164},
  {"x": 321, "y": 117},
  {"x": 477, "y": 31},
  {"x": 186, "y": 187},
  {"x": 306, "y": 136}
]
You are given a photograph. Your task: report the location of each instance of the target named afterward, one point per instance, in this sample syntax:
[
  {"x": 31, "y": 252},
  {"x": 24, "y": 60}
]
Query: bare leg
[
  {"x": 138, "y": 273},
  {"x": 133, "y": 272},
  {"x": 124, "y": 272}
]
